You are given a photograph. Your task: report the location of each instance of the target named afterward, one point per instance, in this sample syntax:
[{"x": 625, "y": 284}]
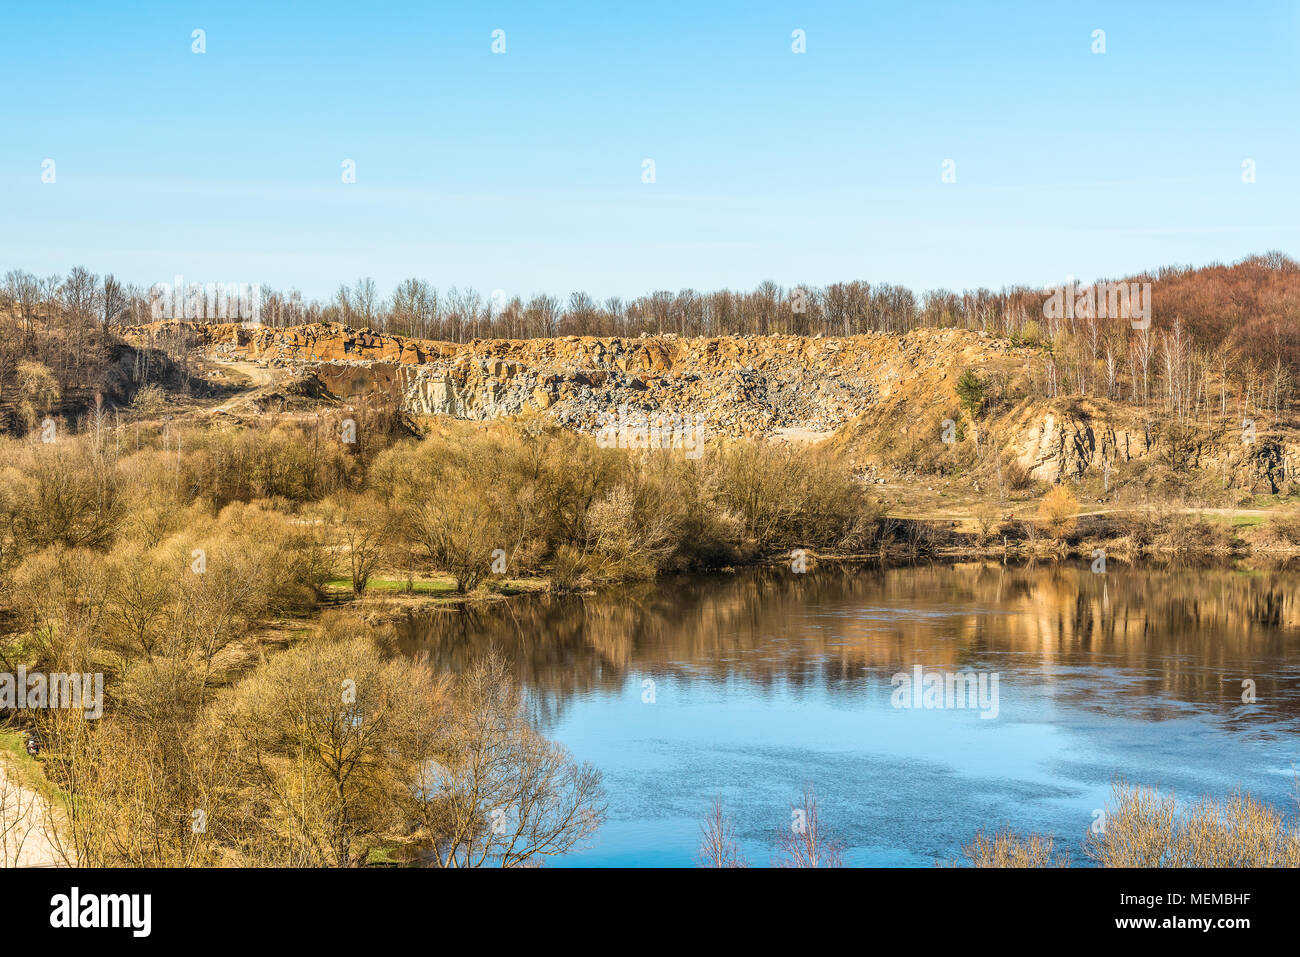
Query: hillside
[{"x": 881, "y": 399}]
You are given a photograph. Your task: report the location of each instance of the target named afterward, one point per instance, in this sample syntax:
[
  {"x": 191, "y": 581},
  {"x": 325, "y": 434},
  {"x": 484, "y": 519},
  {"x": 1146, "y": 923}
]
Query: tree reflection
[{"x": 1148, "y": 641}]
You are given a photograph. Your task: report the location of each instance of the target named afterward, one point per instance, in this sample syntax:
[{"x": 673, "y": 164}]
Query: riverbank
[{"x": 751, "y": 638}]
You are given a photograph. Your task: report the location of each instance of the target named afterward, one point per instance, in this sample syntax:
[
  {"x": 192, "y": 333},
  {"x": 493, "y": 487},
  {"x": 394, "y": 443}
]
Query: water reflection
[
  {"x": 766, "y": 678},
  {"x": 1158, "y": 637}
]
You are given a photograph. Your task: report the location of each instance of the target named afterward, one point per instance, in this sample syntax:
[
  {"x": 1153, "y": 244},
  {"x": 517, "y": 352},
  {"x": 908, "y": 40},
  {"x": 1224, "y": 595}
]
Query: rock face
[
  {"x": 747, "y": 386},
  {"x": 1069, "y": 438},
  {"x": 737, "y": 385},
  {"x": 1061, "y": 444}
]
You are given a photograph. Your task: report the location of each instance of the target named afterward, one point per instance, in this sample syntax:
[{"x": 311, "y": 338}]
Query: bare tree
[
  {"x": 718, "y": 844},
  {"x": 506, "y": 796},
  {"x": 807, "y": 842},
  {"x": 365, "y": 301},
  {"x": 362, "y": 533},
  {"x": 116, "y": 300}
]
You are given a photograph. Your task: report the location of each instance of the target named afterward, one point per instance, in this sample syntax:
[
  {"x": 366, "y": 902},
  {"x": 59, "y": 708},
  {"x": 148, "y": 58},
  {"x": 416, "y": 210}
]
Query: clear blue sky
[{"x": 522, "y": 171}]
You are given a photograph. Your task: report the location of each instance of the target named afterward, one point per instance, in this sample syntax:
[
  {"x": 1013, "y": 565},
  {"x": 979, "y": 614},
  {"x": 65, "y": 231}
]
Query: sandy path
[
  {"x": 24, "y": 826},
  {"x": 246, "y": 375},
  {"x": 253, "y": 374}
]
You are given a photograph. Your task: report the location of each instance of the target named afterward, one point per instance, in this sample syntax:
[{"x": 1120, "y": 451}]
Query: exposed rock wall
[
  {"x": 748, "y": 386},
  {"x": 740, "y": 385},
  {"x": 1070, "y": 438}
]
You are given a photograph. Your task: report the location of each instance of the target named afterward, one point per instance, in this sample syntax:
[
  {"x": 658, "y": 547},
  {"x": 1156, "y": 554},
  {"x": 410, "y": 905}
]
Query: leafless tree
[
  {"x": 807, "y": 842},
  {"x": 507, "y": 796},
  {"x": 718, "y": 844}
]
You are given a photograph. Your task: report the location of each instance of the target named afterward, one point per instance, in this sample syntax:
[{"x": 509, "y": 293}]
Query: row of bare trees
[
  {"x": 807, "y": 841},
  {"x": 1255, "y": 301},
  {"x": 1165, "y": 369},
  {"x": 417, "y": 308}
]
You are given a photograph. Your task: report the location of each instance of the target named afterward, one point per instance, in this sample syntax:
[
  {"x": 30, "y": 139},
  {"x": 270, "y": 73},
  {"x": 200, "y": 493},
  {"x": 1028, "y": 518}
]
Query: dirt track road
[
  {"x": 248, "y": 374},
  {"x": 24, "y": 826}
]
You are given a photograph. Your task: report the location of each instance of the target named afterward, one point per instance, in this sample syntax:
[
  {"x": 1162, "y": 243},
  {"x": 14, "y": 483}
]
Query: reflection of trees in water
[{"x": 1188, "y": 634}]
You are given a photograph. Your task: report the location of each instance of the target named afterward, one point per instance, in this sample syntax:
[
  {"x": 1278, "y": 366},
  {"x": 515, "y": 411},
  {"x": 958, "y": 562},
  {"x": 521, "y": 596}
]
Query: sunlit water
[{"x": 764, "y": 681}]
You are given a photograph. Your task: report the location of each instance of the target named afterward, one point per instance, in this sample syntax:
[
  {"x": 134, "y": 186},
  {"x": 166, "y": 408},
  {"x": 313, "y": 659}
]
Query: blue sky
[{"x": 523, "y": 171}]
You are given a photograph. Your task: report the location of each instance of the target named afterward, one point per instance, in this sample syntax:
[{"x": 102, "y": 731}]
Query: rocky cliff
[
  {"x": 1070, "y": 438},
  {"x": 873, "y": 389},
  {"x": 739, "y": 385}
]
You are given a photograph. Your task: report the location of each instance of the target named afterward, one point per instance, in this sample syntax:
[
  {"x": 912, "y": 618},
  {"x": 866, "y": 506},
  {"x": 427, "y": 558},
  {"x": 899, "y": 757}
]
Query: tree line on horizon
[
  {"x": 1216, "y": 330},
  {"x": 1211, "y": 299}
]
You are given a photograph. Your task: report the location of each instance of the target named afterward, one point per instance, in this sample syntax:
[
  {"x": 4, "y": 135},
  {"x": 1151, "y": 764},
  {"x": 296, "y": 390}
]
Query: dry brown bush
[
  {"x": 1280, "y": 531},
  {"x": 789, "y": 496},
  {"x": 38, "y": 392},
  {"x": 1058, "y": 512},
  {"x": 1005, "y": 849},
  {"x": 1146, "y": 829}
]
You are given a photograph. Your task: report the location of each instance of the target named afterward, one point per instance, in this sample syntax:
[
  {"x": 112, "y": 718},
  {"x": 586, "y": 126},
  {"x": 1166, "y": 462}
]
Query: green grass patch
[
  {"x": 26, "y": 770},
  {"x": 383, "y": 857},
  {"x": 423, "y": 586}
]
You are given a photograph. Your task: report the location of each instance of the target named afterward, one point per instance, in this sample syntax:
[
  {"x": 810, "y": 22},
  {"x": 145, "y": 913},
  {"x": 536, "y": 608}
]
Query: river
[{"x": 748, "y": 686}]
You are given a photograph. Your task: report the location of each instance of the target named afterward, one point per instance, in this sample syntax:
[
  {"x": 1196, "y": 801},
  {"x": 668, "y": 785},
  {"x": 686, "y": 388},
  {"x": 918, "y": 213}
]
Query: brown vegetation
[
  {"x": 155, "y": 555},
  {"x": 1005, "y": 849},
  {"x": 1058, "y": 512},
  {"x": 1142, "y": 828},
  {"x": 1146, "y": 829}
]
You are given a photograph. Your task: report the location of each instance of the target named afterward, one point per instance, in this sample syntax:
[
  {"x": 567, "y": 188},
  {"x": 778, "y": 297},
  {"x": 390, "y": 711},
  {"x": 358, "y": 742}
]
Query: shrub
[
  {"x": 1058, "y": 512},
  {"x": 631, "y": 534},
  {"x": 1146, "y": 829},
  {"x": 568, "y": 568},
  {"x": 1282, "y": 530},
  {"x": 333, "y": 735},
  {"x": 971, "y": 393},
  {"x": 38, "y": 391},
  {"x": 789, "y": 496},
  {"x": 1016, "y": 476},
  {"x": 1177, "y": 532},
  {"x": 1005, "y": 849},
  {"x": 988, "y": 521},
  {"x": 64, "y": 493},
  {"x": 150, "y": 400}
]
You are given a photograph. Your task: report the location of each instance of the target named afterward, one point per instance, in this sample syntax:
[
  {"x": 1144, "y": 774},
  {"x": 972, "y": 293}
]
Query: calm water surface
[{"x": 765, "y": 680}]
